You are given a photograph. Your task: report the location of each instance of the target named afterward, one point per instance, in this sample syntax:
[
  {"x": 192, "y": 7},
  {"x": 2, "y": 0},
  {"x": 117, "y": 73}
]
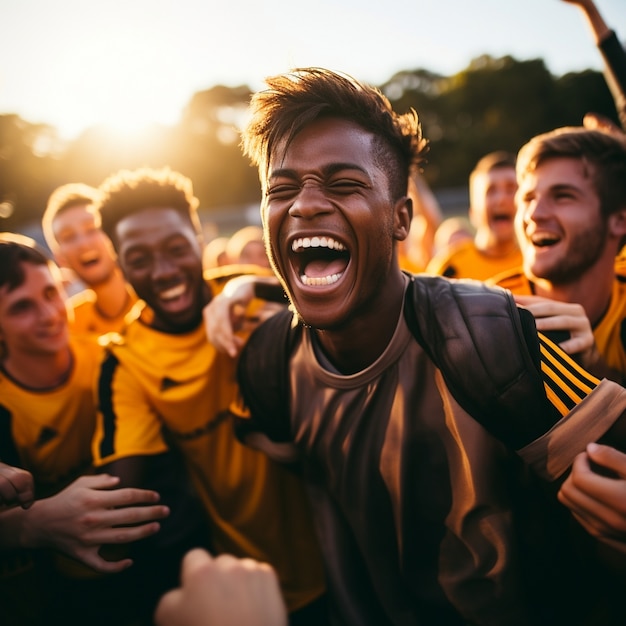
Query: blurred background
[{"x": 87, "y": 89}]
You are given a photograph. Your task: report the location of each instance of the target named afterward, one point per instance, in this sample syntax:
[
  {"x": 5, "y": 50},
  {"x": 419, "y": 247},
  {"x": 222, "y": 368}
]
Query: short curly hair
[
  {"x": 303, "y": 95},
  {"x": 130, "y": 191}
]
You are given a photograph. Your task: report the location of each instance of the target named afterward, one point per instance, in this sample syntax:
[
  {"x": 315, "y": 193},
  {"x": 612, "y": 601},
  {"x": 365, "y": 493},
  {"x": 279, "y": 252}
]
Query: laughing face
[
  {"x": 33, "y": 316},
  {"x": 492, "y": 207},
  {"x": 331, "y": 223},
  {"x": 560, "y": 228},
  {"x": 82, "y": 246},
  {"x": 161, "y": 257}
]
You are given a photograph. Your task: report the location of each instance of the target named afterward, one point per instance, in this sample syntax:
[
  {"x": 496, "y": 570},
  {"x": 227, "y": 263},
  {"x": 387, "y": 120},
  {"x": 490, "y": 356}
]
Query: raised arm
[{"x": 613, "y": 54}]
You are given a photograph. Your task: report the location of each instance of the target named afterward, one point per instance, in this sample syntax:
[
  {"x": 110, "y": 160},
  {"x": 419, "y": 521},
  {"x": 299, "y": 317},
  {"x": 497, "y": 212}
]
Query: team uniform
[
  {"x": 412, "y": 498},
  {"x": 609, "y": 332},
  {"x": 159, "y": 390},
  {"x": 464, "y": 260},
  {"x": 49, "y": 432},
  {"x": 88, "y": 320}
]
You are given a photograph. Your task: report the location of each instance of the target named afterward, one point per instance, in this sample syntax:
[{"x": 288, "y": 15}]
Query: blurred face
[
  {"x": 331, "y": 222},
  {"x": 82, "y": 246},
  {"x": 492, "y": 203},
  {"x": 559, "y": 225},
  {"x": 161, "y": 257},
  {"x": 33, "y": 316},
  {"x": 254, "y": 252}
]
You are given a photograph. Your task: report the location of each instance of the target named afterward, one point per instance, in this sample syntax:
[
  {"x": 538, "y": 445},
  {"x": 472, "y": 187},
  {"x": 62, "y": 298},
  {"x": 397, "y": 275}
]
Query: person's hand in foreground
[
  {"x": 597, "y": 500},
  {"x": 17, "y": 487},
  {"x": 88, "y": 514},
  {"x": 223, "y": 591}
]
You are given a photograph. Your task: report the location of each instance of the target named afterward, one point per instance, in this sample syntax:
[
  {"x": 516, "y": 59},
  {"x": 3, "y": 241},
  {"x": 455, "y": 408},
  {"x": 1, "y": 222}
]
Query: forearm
[
  {"x": 594, "y": 19},
  {"x": 18, "y": 528},
  {"x": 614, "y": 57}
]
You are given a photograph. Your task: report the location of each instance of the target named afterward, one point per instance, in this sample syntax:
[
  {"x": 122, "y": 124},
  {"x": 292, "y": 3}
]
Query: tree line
[{"x": 494, "y": 103}]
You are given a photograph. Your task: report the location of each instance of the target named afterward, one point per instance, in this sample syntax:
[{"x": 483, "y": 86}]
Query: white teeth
[
  {"x": 172, "y": 293},
  {"x": 316, "y": 242},
  {"x": 320, "y": 280}
]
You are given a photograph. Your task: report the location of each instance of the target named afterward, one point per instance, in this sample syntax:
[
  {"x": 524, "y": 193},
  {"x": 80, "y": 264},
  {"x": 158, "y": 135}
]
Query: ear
[
  {"x": 617, "y": 223},
  {"x": 402, "y": 216},
  {"x": 471, "y": 216}
]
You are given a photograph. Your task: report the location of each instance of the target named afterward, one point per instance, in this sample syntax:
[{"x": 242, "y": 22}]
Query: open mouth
[
  {"x": 502, "y": 217},
  {"x": 89, "y": 260},
  {"x": 320, "y": 260},
  {"x": 173, "y": 293},
  {"x": 544, "y": 240}
]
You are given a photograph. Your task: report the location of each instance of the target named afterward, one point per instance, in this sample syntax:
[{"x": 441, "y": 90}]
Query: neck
[
  {"x": 112, "y": 295},
  {"x": 37, "y": 371},
  {"x": 591, "y": 290},
  {"x": 359, "y": 342}
]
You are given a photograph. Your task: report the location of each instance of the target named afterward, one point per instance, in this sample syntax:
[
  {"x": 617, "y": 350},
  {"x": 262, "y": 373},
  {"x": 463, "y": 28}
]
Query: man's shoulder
[
  {"x": 513, "y": 279},
  {"x": 444, "y": 261},
  {"x": 85, "y": 299}
]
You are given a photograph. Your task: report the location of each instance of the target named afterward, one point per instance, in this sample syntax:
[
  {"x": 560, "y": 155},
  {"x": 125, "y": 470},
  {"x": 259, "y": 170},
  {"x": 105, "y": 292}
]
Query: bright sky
[{"x": 127, "y": 63}]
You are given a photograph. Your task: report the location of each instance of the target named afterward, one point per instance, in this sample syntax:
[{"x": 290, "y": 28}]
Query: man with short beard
[{"x": 571, "y": 223}]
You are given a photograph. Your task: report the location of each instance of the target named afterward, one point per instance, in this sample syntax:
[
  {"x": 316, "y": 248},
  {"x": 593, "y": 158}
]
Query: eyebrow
[{"x": 328, "y": 170}]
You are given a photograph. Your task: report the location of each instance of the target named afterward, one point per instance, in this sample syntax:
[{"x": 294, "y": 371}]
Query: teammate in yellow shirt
[
  {"x": 164, "y": 386},
  {"x": 492, "y": 187},
  {"x": 571, "y": 224},
  {"x": 47, "y": 419},
  {"x": 72, "y": 231}
]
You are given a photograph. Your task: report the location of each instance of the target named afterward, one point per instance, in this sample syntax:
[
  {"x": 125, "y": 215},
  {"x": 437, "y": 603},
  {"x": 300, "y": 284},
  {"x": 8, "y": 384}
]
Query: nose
[
  {"x": 163, "y": 267},
  {"x": 310, "y": 202},
  {"x": 50, "y": 310},
  {"x": 536, "y": 209}
]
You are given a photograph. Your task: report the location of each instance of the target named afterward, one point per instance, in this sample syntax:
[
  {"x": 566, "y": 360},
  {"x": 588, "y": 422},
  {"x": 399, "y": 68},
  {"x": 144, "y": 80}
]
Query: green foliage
[{"x": 492, "y": 104}]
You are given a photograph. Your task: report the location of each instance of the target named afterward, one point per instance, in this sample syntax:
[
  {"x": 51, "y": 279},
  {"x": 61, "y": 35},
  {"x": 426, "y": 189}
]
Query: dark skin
[
  {"x": 328, "y": 184},
  {"x": 160, "y": 254}
]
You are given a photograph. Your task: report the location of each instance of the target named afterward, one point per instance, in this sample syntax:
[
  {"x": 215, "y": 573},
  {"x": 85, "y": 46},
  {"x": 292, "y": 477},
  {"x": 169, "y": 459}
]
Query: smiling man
[
  {"x": 389, "y": 388},
  {"x": 47, "y": 422},
  {"x": 571, "y": 223},
  {"x": 72, "y": 230},
  {"x": 165, "y": 387},
  {"x": 493, "y": 249}
]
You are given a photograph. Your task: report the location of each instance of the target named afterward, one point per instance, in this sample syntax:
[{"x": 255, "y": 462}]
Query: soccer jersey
[
  {"x": 159, "y": 389},
  {"x": 464, "y": 260},
  {"x": 413, "y": 499},
  {"x": 49, "y": 432},
  {"x": 88, "y": 320},
  {"x": 609, "y": 331}
]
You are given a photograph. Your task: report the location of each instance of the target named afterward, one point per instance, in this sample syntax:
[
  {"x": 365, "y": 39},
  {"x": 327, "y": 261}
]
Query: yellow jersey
[
  {"x": 158, "y": 389},
  {"x": 464, "y": 260}
]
